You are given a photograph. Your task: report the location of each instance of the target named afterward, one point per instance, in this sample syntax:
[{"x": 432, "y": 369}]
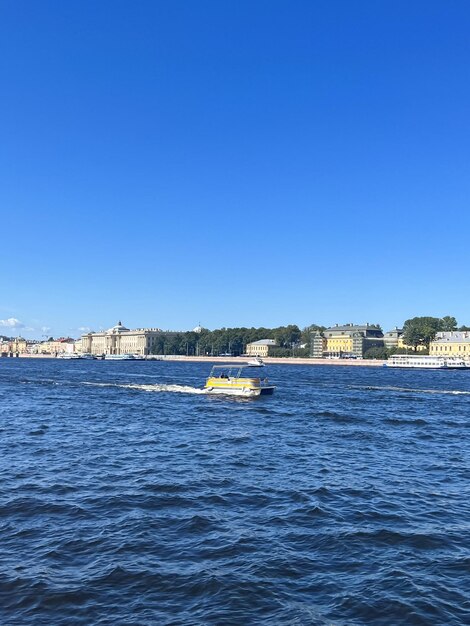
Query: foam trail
[{"x": 156, "y": 387}]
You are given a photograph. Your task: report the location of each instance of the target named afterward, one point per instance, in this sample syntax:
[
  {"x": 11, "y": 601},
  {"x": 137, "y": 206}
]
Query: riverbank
[
  {"x": 242, "y": 360},
  {"x": 279, "y": 360}
]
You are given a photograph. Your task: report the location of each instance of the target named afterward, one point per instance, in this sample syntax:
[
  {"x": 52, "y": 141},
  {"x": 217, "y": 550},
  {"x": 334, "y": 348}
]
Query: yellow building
[
  {"x": 55, "y": 346},
  {"x": 19, "y": 345},
  {"x": 454, "y": 343},
  {"x": 15, "y": 346},
  {"x": 260, "y": 348},
  {"x": 401, "y": 344},
  {"x": 348, "y": 340},
  {"x": 339, "y": 343}
]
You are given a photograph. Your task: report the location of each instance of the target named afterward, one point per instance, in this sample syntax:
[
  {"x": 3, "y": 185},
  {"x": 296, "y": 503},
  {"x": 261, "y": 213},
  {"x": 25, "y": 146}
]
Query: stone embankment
[
  {"x": 242, "y": 360},
  {"x": 277, "y": 361}
]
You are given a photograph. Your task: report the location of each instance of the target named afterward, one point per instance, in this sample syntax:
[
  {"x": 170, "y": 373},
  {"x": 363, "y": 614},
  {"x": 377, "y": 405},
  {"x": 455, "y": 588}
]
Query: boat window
[{"x": 238, "y": 372}]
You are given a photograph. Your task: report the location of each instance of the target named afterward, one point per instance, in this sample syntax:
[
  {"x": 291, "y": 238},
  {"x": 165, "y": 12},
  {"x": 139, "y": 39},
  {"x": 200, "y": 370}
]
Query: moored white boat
[
  {"x": 239, "y": 380},
  {"x": 412, "y": 361},
  {"x": 119, "y": 357},
  {"x": 256, "y": 362}
]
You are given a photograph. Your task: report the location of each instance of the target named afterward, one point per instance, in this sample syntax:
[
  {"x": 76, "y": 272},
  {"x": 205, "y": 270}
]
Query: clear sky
[{"x": 233, "y": 162}]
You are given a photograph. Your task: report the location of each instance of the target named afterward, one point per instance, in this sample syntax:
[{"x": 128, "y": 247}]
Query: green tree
[
  {"x": 376, "y": 353},
  {"x": 307, "y": 332},
  {"x": 280, "y": 352},
  {"x": 285, "y": 336},
  {"x": 449, "y": 323},
  {"x": 420, "y": 331}
]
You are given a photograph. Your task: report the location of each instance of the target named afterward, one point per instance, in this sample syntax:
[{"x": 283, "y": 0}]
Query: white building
[
  {"x": 120, "y": 340},
  {"x": 260, "y": 348}
]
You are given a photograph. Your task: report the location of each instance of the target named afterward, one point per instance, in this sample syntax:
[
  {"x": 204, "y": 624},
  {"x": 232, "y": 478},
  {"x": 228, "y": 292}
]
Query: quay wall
[
  {"x": 279, "y": 360},
  {"x": 241, "y": 360}
]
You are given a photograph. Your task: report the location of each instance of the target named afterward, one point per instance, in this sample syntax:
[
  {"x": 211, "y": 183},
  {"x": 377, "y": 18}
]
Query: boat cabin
[{"x": 238, "y": 371}]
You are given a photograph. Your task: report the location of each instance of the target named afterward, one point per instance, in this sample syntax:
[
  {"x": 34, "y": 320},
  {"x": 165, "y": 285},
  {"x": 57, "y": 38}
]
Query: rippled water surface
[{"x": 127, "y": 497}]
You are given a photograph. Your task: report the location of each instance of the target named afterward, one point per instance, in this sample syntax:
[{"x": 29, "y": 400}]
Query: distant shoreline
[
  {"x": 241, "y": 360},
  {"x": 280, "y": 360}
]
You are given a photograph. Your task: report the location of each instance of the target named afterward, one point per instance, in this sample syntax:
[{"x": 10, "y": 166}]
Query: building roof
[
  {"x": 263, "y": 342},
  {"x": 352, "y": 327},
  {"x": 455, "y": 336},
  {"x": 364, "y": 329},
  {"x": 118, "y": 328}
]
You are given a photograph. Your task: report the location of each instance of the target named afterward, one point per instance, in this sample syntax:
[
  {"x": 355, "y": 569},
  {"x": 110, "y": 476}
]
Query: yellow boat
[{"x": 239, "y": 380}]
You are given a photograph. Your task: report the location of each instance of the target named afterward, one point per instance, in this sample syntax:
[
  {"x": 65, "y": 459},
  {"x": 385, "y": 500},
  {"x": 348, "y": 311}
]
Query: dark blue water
[{"x": 342, "y": 499}]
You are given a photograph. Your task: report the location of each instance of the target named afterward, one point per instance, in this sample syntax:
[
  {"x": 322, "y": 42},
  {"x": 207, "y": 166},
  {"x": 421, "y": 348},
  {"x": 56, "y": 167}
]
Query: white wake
[{"x": 155, "y": 388}]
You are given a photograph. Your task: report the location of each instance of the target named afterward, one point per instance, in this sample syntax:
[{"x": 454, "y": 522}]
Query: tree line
[
  {"x": 290, "y": 341},
  {"x": 420, "y": 331}
]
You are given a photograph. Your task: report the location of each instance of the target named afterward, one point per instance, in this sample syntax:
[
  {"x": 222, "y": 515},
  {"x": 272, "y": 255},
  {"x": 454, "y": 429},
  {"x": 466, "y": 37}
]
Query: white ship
[{"x": 412, "y": 361}]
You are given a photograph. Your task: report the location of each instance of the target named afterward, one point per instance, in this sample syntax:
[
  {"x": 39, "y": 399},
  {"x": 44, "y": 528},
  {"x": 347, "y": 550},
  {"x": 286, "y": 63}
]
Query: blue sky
[{"x": 232, "y": 163}]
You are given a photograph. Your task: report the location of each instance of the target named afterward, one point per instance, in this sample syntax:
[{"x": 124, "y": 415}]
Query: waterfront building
[
  {"x": 16, "y": 345},
  {"x": 55, "y": 346},
  {"x": 260, "y": 348},
  {"x": 5, "y": 344},
  {"x": 31, "y": 346},
  {"x": 403, "y": 346},
  {"x": 318, "y": 345},
  {"x": 393, "y": 337},
  {"x": 349, "y": 340},
  {"x": 452, "y": 343},
  {"x": 121, "y": 340},
  {"x": 19, "y": 345}
]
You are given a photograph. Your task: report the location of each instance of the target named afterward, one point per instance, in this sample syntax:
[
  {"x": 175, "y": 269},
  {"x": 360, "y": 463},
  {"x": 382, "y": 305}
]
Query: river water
[{"x": 128, "y": 497}]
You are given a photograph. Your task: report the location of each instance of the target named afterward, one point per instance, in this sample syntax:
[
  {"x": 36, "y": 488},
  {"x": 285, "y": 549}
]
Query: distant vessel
[
  {"x": 409, "y": 361},
  {"x": 256, "y": 362},
  {"x": 119, "y": 357},
  {"x": 75, "y": 355},
  {"x": 240, "y": 380}
]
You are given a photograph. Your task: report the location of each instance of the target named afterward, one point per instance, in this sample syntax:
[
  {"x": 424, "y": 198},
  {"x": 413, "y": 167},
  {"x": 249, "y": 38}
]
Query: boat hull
[
  {"x": 429, "y": 367},
  {"x": 426, "y": 362},
  {"x": 246, "y": 392}
]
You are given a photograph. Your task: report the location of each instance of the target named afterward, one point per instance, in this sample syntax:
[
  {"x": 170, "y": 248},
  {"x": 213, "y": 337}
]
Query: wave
[
  {"x": 452, "y": 392},
  {"x": 158, "y": 387}
]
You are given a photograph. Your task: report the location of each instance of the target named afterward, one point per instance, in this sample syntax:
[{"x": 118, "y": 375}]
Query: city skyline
[
  {"x": 237, "y": 164},
  {"x": 14, "y": 328}
]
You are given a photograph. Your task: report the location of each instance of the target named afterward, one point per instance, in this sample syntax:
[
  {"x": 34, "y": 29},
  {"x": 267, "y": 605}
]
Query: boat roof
[{"x": 417, "y": 356}]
